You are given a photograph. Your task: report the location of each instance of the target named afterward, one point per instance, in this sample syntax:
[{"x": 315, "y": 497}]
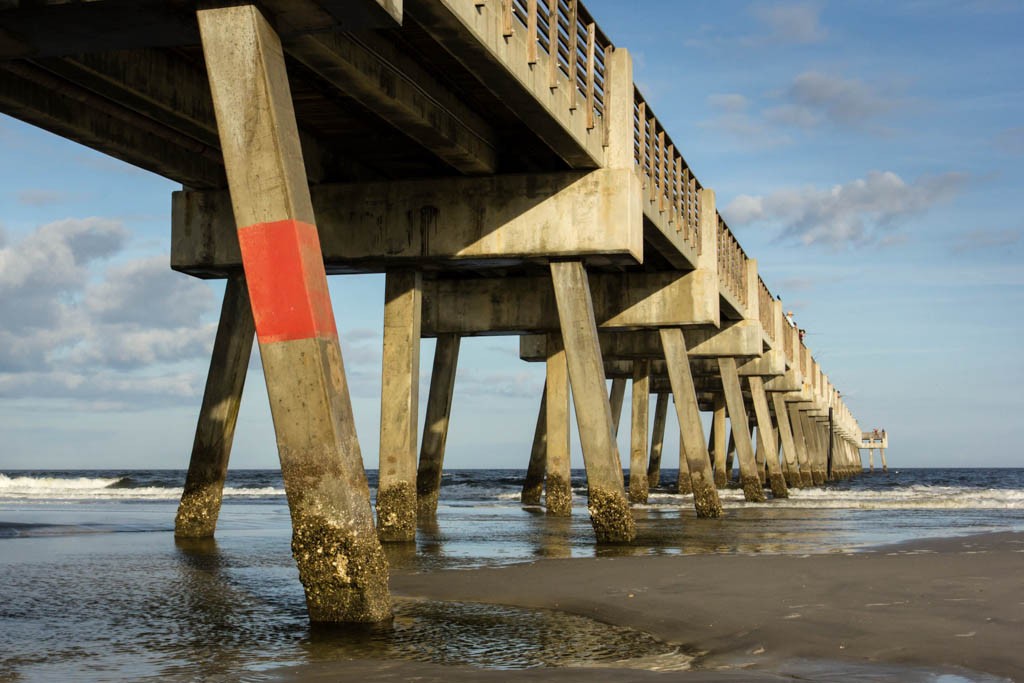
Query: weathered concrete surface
[
  {"x": 609, "y": 509},
  {"x": 558, "y": 486},
  {"x": 519, "y": 305},
  {"x": 435, "y": 426},
  {"x": 451, "y": 222},
  {"x": 638, "y": 485},
  {"x": 766, "y": 437},
  {"x": 792, "y": 468},
  {"x": 749, "y": 479},
  {"x": 399, "y": 407},
  {"x": 657, "y": 440},
  {"x": 702, "y": 483},
  {"x": 719, "y": 448},
  {"x": 215, "y": 431},
  {"x": 533, "y": 485},
  {"x": 340, "y": 561}
]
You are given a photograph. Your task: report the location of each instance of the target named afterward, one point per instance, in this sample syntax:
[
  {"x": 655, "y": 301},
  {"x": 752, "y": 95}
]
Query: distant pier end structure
[
  {"x": 875, "y": 440},
  {"x": 495, "y": 159}
]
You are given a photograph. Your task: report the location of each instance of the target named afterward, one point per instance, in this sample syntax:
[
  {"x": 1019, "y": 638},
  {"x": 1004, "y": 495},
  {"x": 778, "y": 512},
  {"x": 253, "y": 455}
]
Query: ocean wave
[
  {"x": 115, "y": 488},
  {"x": 916, "y": 497}
]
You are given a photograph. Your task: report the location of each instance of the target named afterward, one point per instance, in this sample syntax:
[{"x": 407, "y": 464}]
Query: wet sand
[{"x": 903, "y": 612}]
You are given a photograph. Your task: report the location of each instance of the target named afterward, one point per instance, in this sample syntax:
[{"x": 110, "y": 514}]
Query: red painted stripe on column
[{"x": 284, "y": 268}]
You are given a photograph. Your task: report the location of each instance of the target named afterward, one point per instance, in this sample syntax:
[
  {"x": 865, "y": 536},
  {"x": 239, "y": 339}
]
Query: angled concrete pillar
[
  {"x": 815, "y": 453},
  {"x": 609, "y": 509},
  {"x": 730, "y": 452},
  {"x": 684, "y": 484},
  {"x": 797, "y": 424},
  {"x": 766, "y": 437},
  {"x": 616, "y": 397},
  {"x": 535, "y": 471},
  {"x": 702, "y": 483},
  {"x": 720, "y": 449},
  {"x": 638, "y": 486},
  {"x": 435, "y": 427},
  {"x": 558, "y": 486},
  {"x": 792, "y": 468},
  {"x": 215, "y": 431},
  {"x": 399, "y": 407},
  {"x": 341, "y": 564},
  {"x": 657, "y": 440},
  {"x": 751, "y": 483}
]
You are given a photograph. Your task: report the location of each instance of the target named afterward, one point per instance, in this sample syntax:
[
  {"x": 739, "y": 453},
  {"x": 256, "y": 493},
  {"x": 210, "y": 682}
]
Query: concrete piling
[
  {"x": 341, "y": 565},
  {"x": 749, "y": 480},
  {"x": 533, "y": 485},
  {"x": 215, "y": 431},
  {"x": 609, "y": 509},
  {"x": 657, "y": 440},
  {"x": 638, "y": 484},
  {"x": 558, "y": 485},
  {"x": 694, "y": 450},
  {"x": 720, "y": 449},
  {"x": 792, "y": 469},
  {"x": 766, "y": 437},
  {"x": 435, "y": 427},
  {"x": 399, "y": 407}
]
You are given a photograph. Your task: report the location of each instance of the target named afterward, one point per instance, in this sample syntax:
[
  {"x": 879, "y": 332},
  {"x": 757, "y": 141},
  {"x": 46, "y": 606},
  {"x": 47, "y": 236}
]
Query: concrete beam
[
  {"x": 450, "y": 222},
  {"x": 739, "y": 340}
]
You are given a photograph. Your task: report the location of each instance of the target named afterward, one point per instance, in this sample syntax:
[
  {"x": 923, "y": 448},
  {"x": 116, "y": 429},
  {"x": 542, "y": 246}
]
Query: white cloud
[
  {"x": 814, "y": 97},
  {"x": 728, "y": 102},
  {"x": 862, "y": 211},
  {"x": 73, "y": 330},
  {"x": 795, "y": 23}
]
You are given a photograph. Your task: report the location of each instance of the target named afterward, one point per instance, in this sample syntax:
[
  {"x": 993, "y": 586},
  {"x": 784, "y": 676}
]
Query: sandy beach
[{"x": 912, "y": 611}]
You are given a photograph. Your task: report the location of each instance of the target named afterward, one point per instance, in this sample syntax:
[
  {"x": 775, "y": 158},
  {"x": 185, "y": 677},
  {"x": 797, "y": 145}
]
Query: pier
[{"x": 496, "y": 161}]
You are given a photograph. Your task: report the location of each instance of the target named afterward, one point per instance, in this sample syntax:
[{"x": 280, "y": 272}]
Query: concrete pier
[{"x": 502, "y": 188}]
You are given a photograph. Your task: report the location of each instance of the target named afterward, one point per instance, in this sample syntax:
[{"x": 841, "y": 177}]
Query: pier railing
[
  {"x": 667, "y": 178},
  {"x": 732, "y": 263},
  {"x": 787, "y": 343},
  {"x": 575, "y": 45}
]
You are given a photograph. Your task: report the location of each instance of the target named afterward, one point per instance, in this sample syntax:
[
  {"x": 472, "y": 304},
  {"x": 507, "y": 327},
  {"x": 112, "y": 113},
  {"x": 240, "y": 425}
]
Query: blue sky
[{"x": 867, "y": 154}]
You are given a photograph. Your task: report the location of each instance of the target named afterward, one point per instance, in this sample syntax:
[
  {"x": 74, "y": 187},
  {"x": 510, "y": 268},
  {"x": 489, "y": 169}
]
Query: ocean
[{"x": 93, "y": 585}]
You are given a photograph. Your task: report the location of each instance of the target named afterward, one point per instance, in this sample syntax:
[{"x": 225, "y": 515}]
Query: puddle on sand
[{"x": 498, "y": 637}]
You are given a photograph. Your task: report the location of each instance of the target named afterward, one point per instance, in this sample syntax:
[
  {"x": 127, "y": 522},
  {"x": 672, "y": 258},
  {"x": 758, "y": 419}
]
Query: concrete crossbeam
[{"x": 450, "y": 222}]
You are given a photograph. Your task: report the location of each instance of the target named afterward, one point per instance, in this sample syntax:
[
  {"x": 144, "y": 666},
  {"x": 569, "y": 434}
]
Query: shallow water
[{"x": 94, "y": 587}]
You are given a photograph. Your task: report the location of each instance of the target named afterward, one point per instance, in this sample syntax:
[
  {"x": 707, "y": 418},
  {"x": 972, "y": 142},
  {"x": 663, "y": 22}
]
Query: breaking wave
[{"x": 106, "y": 488}]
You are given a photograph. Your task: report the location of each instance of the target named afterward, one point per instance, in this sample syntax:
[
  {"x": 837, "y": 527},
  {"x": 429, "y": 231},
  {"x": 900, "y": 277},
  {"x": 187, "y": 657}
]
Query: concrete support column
[
  {"x": 657, "y": 440},
  {"x": 558, "y": 487},
  {"x": 535, "y": 471},
  {"x": 215, "y": 431},
  {"x": 684, "y": 484},
  {"x": 730, "y": 453},
  {"x": 638, "y": 486},
  {"x": 702, "y": 483},
  {"x": 813, "y": 437},
  {"x": 766, "y": 438},
  {"x": 885, "y": 466},
  {"x": 800, "y": 440},
  {"x": 752, "y": 490},
  {"x": 435, "y": 428},
  {"x": 609, "y": 509},
  {"x": 871, "y": 459},
  {"x": 789, "y": 454},
  {"x": 399, "y": 406},
  {"x": 720, "y": 449},
  {"x": 616, "y": 397},
  {"x": 341, "y": 564}
]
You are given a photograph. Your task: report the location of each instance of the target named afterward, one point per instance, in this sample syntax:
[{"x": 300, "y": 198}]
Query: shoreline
[{"x": 920, "y": 608}]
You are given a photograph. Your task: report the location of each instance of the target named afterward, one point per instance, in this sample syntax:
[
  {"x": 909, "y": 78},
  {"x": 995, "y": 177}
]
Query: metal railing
[
  {"x": 732, "y": 263},
  {"x": 575, "y": 45},
  {"x": 667, "y": 178}
]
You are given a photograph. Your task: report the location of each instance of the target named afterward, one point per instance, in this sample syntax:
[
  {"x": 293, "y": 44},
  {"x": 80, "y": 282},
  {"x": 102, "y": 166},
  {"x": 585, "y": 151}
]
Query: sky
[{"x": 867, "y": 154}]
